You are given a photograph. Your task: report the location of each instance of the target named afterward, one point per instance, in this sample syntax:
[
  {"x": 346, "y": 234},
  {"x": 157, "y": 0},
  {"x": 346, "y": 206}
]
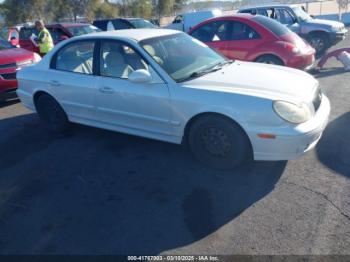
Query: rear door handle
[
  {"x": 55, "y": 83},
  {"x": 106, "y": 90}
]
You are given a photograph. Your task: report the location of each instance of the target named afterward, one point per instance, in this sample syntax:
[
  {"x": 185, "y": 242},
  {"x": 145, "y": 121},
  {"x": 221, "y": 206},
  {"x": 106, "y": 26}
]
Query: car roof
[
  {"x": 223, "y": 17},
  {"x": 68, "y": 24},
  {"x": 119, "y": 18},
  {"x": 265, "y": 6},
  {"x": 135, "y": 34}
]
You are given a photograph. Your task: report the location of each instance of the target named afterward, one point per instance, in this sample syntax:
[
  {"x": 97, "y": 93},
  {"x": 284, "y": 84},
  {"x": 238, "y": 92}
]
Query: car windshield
[
  {"x": 83, "y": 30},
  {"x": 141, "y": 23},
  {"x": 182, "y": 56},
  {"x": 301, "y": 14},
  {"x": 4, "y": 44}
]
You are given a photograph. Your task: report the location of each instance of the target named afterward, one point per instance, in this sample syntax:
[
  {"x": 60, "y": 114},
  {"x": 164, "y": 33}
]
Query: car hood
[
  {"x": 14, "y": 55},
  {"x": 325, "y": 22},
  {"x": 254, "y": 79}
]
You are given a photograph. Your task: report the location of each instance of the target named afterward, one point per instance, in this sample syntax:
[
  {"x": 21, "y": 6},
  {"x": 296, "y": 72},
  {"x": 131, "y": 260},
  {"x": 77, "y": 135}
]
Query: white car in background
[
  {"x": 168, "y": 86},
  {"x": 185, "y": 22}
]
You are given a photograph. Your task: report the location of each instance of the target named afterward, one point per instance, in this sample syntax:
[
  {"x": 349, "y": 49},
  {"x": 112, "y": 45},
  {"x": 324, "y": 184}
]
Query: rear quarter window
[
  {"x": 248, "y": 11},
  {"x": 272, "y": 25}
]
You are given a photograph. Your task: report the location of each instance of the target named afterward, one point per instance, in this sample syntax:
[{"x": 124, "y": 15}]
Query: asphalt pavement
[{"x": 100, "y": 192}]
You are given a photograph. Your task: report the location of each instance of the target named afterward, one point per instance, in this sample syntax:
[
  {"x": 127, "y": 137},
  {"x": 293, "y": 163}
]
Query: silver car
[{"x": 320, "y": 33}]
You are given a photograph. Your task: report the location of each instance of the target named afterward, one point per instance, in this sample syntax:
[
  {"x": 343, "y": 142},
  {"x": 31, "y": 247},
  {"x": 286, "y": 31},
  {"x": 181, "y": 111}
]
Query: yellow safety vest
[{"x": 45, "y": 41}]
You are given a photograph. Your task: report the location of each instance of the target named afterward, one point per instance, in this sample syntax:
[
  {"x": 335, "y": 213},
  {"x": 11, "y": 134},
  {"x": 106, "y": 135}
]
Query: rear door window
[
  {"x": 262, "y": 12},
  {"x": 76, "y": 57},
  {"x": 241, "y": 31},
  {"x": 284, "y": 16},
  {"x": 213, "y": 32}
]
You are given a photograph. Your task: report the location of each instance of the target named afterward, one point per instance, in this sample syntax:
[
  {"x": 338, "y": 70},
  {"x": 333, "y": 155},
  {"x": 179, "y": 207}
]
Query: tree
[
  {"x": 142, "y": 8},
  {"x": 179, "y": 4},
  {"x": 166, "y": 7},
  {"x": 15, "y": 11},
  {"x": 106, "y": 10},
  {"x": 61, "y": 9},
  {"x": 79, "y": 8},
  {"x": 342, "y": 4}
]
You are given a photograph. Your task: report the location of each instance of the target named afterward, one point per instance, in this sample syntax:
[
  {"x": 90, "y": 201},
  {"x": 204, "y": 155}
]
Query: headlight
[
  {"x": 293, "y": 113},
  {"x": 37, "y": 58},
  {"x": 335, "y": 28}
]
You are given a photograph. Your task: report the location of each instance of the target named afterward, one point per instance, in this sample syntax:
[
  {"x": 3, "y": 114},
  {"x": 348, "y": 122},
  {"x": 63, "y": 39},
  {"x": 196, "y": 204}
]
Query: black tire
[
  {"x": 51, "y": 113},
  {"x": 269, "y": 59},
  {"x": 218, "y": 142},
  {"x": 319, "y": 41}
]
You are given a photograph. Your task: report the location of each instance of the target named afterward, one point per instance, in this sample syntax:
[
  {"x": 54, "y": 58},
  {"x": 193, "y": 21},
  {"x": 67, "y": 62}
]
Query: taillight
[{"x": 292, "y": 48}]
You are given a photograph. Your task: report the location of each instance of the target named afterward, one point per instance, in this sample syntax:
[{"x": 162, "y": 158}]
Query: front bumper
[
  {"x": 7, "y": 89},
  {"x": 335, "y": 38},
  {"x": 8, "y": 94},
  {"x": 292, "y": 143}
]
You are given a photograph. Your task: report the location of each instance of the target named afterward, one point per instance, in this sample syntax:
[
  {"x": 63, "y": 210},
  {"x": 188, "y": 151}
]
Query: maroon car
[
  {"x": 255, "y": 38},
  {"x": 59, "y": 32},
  {"x": 11, "y": 60}
]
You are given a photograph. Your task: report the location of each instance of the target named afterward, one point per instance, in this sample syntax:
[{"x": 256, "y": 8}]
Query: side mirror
[{"x": 140, "y": 76}]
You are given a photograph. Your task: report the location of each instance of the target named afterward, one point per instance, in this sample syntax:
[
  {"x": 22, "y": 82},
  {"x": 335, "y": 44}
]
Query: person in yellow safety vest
[{"x": 44, "y": 38}]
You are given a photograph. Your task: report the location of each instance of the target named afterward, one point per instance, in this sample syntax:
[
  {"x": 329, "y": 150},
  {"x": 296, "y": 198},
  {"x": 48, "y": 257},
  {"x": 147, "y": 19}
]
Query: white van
[{"x": 185, "y": 22}]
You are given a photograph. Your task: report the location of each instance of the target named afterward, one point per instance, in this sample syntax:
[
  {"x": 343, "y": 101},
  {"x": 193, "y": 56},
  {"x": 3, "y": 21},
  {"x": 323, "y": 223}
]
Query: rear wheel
[
  {"x": 51, "y": 113},
  {"x": 269, "y": 59},
  {"x": 218, "y": 142}
]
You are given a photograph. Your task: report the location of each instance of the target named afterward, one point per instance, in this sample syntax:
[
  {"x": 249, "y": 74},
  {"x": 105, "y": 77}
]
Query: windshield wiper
[{"x": 214, "y": 68}]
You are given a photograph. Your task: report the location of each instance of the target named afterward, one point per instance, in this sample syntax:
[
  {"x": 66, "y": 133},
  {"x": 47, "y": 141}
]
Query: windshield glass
[
  {"x": 4, "y": 44},
  {"x": 182, "y": 56},
  {"x": 141, "y": 23},
  {"x": 83, "y": 30},
  {"x": 301, "y": 14}
]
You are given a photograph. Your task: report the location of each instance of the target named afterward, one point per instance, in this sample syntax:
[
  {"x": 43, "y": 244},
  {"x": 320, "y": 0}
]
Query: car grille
[
  {"x": 6, "y": 66},
  {"x": 9, "y": 76},
  {"x": 317, "y": 99}
]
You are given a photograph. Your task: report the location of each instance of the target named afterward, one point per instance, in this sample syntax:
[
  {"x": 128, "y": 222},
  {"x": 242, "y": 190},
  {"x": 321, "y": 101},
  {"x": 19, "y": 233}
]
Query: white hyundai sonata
[{"x": 166, "y": 85}]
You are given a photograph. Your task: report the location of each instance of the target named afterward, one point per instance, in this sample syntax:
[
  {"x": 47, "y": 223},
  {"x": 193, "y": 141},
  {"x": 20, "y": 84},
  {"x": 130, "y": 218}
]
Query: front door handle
[
  {"x": 106, "y": 90},
  {"x": 55, "y": 83}
]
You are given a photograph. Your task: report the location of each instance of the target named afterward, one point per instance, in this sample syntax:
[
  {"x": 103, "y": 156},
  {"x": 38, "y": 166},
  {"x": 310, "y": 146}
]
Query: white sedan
[{"x": 165, "y": 85}]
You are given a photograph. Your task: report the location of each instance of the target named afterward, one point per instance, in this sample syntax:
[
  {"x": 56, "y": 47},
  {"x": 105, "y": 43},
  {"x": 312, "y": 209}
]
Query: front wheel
[
  {"x": 319, "y": 42},
  {"x": 51, "y": 113},
  {"x": 218, "y": 142}
]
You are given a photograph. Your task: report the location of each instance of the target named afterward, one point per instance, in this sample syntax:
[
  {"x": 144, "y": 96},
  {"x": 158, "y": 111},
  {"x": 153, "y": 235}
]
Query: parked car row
[
  {"x": 20, "y": 35},
  {"x": 247, "y": 37},
  {"x": 166, "y": 85},
  {"x": 184, "y": 88},
  {"x": 123, "y": 23}
]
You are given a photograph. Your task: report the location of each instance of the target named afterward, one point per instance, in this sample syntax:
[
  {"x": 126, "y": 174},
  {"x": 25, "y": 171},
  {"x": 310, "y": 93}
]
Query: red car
[
  {"x": 11, "y": 60},
  {"x": 255, "y": 38},
  {"x": 59, "y": 32}
]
